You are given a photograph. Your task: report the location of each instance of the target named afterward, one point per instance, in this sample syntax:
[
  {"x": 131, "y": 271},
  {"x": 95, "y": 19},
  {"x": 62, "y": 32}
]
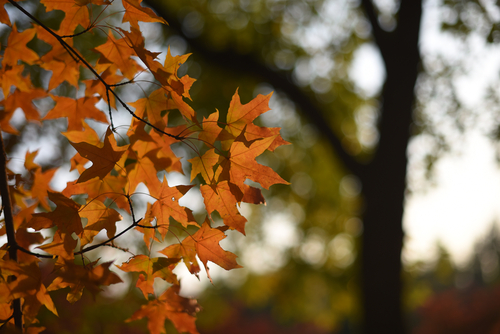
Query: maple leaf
[
  {"x": 110, "y": 186},
  {"x": 12, "y": 76},
  {"x": 150, "y": 107},
  {"x": 152, "y": 267},
  {"x": 181, "y": 311},
  {"x": 205, "y": 165},
  {"x": 103, "y": 158},
  {"x": 4, "y": 18},
  {"x": 167, "y": 205},
  {"x": 99, "y": 217},
  {"x": 62, "y": 71},
  {"x": 74, "y": 14},
  {"x": 205, "y": 244},
  {"x": 40, "y": 187},
  {"x": 211, "y": 128},
  {"x": 240, "y": 164},
  {"x": 23, "y": 100},
  {"x": 240, "y": 118},
  {"x": 141, "y": 171},
  {"x": 66, "y": 217},
  {"x": 28, "y": 283},
  {"x": 118, "y": 52},
  {"x": 76, "y": 110},
  {"x": 17, "y": 49},
  {"x": 220, "y": 197},
  {"x": 134, "y": 13},
  {"x": 78, "y": 277}
]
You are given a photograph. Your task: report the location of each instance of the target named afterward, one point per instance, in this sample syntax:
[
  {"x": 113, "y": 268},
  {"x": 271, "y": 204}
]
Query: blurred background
[{"x": 330, "y": 64}]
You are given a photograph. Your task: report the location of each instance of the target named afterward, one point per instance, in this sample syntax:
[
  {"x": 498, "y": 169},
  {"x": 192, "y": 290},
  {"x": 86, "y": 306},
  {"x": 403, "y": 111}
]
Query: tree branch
[
  {"x": 9, "y": 226},
  {"x": 379, "y": 35}
]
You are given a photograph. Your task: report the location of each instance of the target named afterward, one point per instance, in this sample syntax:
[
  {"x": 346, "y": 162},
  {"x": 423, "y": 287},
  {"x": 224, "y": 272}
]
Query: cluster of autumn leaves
[{"x": 226, "y": 152}]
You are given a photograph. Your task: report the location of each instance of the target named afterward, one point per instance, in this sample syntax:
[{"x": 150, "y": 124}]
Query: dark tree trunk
[{"x": 384, "y": 182}]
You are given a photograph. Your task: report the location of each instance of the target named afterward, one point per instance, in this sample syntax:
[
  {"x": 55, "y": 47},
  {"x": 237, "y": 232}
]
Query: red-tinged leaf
[
  {"x": 136, "y": 40},
  {"x": 27, "y": 285},
  {"x": 211, "y": 128},
  {"x": 135, "y": 13},
  {"x": 16, "y": 48},
  {"x": 220, "y": 197},
  {"x": 78, "y": 277},
  {"x": 179, "y": 310},
  {"x": 99, "y": 217},
  {"x": 62, "y": 246},
  {"x": 26, "y": 239},
  {"x": 66, "y": 215},
  {"x": 204, "y": 165},
  {"x": 241, "y": 165},
  {"x": 76, "y": 110},
  {"x": 103, "y": 158},
  {"x": 152, "y": 267},
  {"x": 167, "y": 205},
  {"x": 252, "y": 195},
  {"x": 119, "y": 52}
]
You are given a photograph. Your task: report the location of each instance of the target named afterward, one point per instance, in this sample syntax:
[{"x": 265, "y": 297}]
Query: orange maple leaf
[
  {"x": 103, "y": 158},
  {"x": 150, "y": 107},
  {"x": 205, "y": 244},
  {"x": 167, "y": 205},
  {"x": 76, "y": 110},
  {"x": 17, "y": 48},
  {"x": 181, "y": 311},
  {"x": 118, "y": 52},
  {"x": 220, "y": 197},
  {"x": 134, "y": 13},
  {"x": 78, "y": 277},
  {"x": 74, "y": 14},
  {"x": 99, "y": 217},
  {"x": 152, "y": 267},
  {"x": 12, "y": 76},
  {"x": 240, "y": 165}
]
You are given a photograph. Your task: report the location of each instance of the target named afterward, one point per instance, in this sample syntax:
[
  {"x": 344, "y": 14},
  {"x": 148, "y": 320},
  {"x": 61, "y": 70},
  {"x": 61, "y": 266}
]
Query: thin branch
[
  {"x": 85, "y": 250},
  {"x": 9, "y": 226}
]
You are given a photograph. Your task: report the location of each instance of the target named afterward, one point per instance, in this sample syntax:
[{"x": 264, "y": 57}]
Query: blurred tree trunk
[
  {"x": 384, "y": 177},
  {"x": 384, "y": 182}
]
